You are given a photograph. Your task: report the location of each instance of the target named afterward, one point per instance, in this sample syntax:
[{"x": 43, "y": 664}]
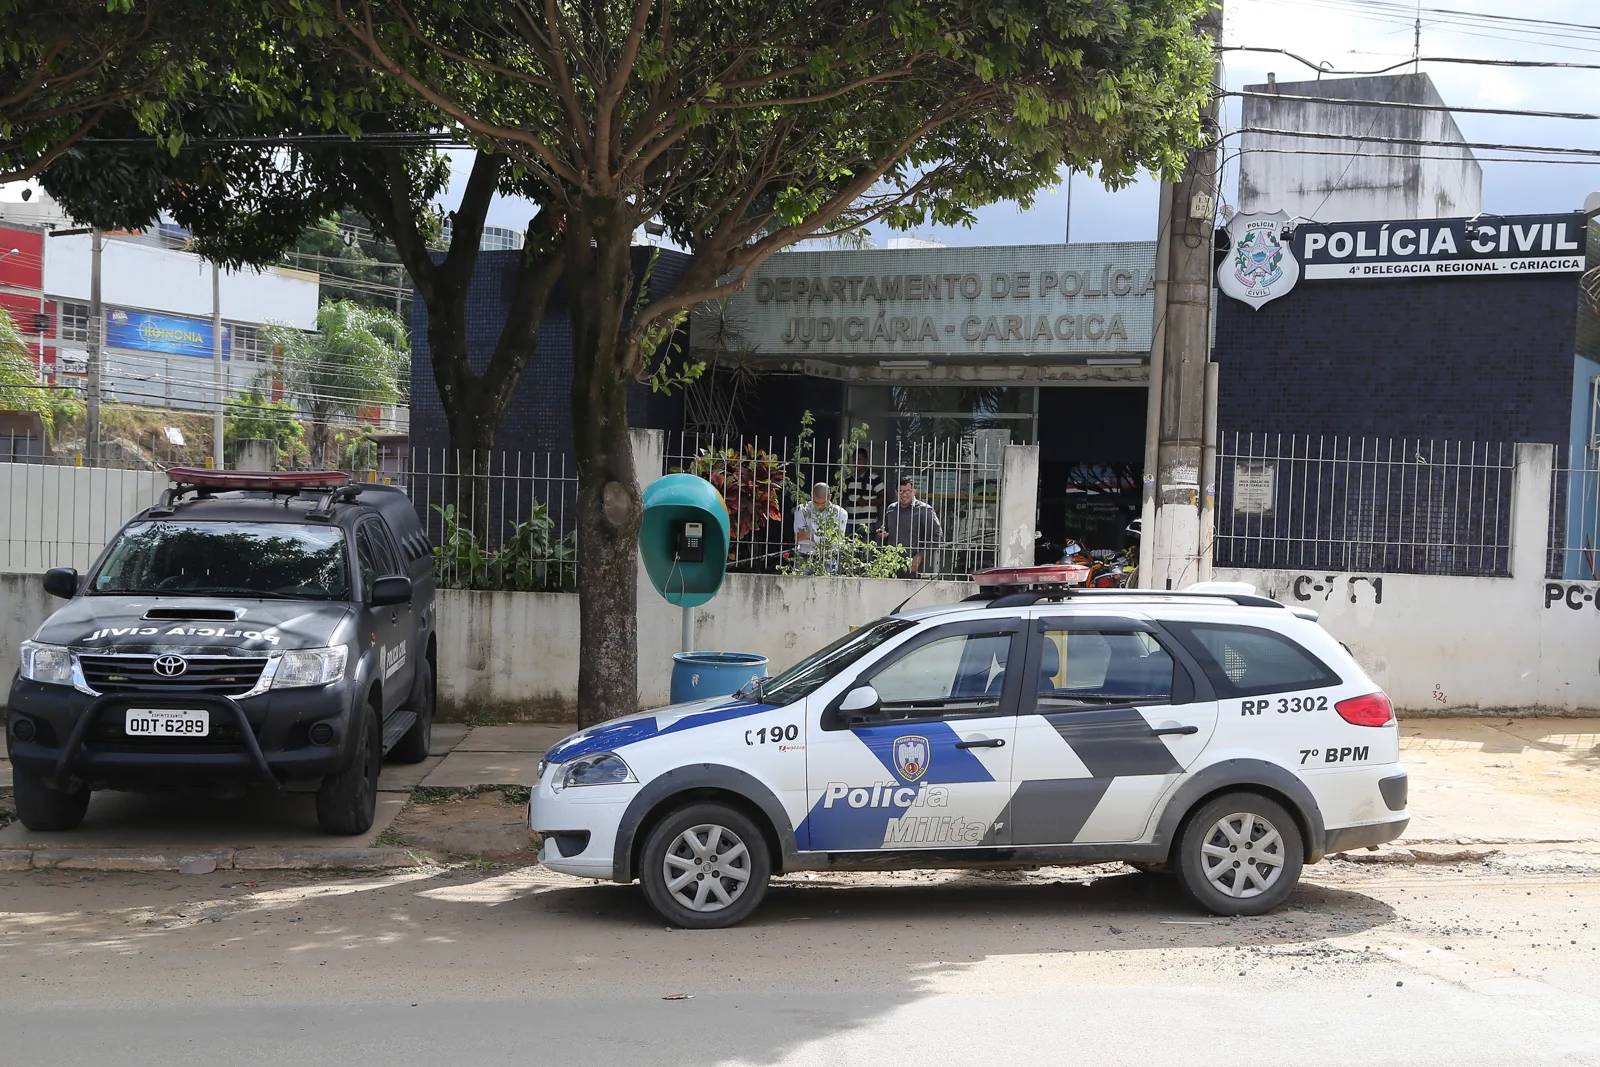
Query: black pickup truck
[{"x": 271, "y": 630}]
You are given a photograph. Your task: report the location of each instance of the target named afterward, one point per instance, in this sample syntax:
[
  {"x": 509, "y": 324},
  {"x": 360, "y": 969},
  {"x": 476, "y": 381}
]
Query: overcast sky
[{"x": 1355, "y": 35}]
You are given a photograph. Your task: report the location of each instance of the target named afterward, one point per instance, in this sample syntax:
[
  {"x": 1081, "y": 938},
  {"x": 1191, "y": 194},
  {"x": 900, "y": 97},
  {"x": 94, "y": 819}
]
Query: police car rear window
[{"x": 1244, "y": 661}]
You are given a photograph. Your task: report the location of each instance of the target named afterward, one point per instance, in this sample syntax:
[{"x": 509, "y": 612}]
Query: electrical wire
[
  {"x": 1466, "y": 60},
  {"x": 1420, "y": 141},
  {"x": 1407, "y": 106}
]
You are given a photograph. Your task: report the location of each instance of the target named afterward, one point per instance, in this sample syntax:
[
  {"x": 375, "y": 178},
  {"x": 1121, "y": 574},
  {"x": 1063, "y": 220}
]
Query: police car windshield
[
  {"x": 226, "y": 559},
  {"x": 806, "y": 676}
]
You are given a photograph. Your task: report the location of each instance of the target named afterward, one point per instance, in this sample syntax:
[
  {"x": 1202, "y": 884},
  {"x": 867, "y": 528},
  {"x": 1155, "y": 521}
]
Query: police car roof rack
[{"x": 204, "y": 483}]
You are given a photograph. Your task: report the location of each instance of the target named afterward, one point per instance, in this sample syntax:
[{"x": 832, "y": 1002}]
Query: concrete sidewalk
[
  {"x": 157, "y": 831},
  {"x": 1495, "y": 782}
]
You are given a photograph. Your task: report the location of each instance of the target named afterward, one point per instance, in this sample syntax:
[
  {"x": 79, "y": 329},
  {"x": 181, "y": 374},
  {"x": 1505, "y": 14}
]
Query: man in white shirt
[{"x": 817, "y": 522}]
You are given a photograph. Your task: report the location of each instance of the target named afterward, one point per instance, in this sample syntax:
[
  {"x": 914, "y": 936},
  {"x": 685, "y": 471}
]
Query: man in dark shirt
[
  {"x": 864, "y": 495},
  {"x": 912, "y": 524}
]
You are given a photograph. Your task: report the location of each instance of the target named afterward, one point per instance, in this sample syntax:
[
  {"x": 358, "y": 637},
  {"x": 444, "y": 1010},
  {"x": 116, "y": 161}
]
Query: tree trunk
[
  {"x": 470, "y": 422},
  {"x": 599, "y": 277}
]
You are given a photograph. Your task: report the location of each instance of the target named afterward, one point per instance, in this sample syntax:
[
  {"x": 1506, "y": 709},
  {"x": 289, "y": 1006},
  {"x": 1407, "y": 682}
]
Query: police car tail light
[
  {"x": 46, "y": 663},
  {"x": 1056, "y": 574},
  {"x": 602, "y": 768},
  {"x": 311, "y": 667},
  {"x": 1374, "y": 709}
]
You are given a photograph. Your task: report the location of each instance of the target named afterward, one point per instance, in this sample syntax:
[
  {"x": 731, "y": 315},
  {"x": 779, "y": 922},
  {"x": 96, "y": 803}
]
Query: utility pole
[
  {"x": 216, "y": 367},
  {"x": 97, "y": 322},
  {"x": 1173, "y": 552}
]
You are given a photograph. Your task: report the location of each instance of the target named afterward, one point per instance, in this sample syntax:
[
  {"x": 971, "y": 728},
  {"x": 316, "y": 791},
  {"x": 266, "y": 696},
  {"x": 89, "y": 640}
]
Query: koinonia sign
[{"x": 1034, "y": 301}]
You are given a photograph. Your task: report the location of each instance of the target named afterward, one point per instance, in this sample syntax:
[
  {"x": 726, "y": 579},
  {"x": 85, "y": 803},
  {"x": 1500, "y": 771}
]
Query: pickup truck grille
[{"x": 229, "y": 676}]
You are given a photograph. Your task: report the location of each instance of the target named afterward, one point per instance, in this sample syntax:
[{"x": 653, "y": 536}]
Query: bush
[{"x": 533, "y": 559}]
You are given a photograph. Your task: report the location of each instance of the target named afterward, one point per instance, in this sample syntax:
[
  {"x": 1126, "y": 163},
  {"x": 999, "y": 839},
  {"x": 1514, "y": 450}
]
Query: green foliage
[
  {"x": 359, "y": 357},
  {"x": 63, "y": 63},
  {"x": 254, "y": 417},
  {"x": 21, "y": 388},
  {"x": 533, "y": 559},
  {"x": 840, "y": 553}
]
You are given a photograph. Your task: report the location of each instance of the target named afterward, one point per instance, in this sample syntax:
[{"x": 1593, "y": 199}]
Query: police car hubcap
[
  {"x": 707, "y": 868},
  {"x": 1242, "y": 855}
]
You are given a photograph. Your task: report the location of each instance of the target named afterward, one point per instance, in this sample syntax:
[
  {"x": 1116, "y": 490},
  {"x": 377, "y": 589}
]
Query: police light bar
[
  {"x": 268, "y": 481},
  {"x": 1031, "y": 577}
]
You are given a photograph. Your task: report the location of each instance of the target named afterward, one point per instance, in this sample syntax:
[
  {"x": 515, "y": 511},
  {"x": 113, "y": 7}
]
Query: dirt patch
[
  {"x": 8, "y": 808},
  {"x": 490, "y": 822}
]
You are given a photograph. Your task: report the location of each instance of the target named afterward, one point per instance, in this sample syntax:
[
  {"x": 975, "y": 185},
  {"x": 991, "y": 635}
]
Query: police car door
[
  {"x": 1109, "y": 717},
  {"x": 928, "y": 764}
]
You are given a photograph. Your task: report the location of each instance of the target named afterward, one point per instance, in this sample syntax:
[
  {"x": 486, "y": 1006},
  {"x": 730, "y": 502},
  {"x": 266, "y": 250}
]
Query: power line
[
  {"x": 1409, "y": 156},
  {"x": 1420, "y": 141},
  {"x": 1403, "y": 105},
  {"x": 1465, "y": 60}
]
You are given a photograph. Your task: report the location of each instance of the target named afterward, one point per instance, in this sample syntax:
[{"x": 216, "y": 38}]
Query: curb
[{"x": 204, "y": 861}]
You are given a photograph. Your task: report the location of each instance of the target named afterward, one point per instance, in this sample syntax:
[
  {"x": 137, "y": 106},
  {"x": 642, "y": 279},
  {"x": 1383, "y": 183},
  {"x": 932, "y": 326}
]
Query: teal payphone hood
[{"x": 668, "y": 502}]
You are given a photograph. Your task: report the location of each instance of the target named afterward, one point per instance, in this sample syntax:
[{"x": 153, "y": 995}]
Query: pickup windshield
[{"x": 225, "y": 559}]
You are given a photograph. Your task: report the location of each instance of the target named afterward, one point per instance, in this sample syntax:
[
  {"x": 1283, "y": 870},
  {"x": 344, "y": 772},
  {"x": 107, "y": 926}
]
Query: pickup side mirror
[
  {"x": 61, "y": 582},
  {"x": 391, "y": 589}
]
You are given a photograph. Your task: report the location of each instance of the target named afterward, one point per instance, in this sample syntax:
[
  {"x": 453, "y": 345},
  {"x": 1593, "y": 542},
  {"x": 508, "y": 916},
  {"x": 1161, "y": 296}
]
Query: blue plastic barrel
[{"x": 697, "y": 675}]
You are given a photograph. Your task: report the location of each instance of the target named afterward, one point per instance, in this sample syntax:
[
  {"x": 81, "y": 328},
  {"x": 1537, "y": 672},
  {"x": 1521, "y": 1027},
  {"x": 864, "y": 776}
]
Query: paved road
[{"x": 1482, "y": 963}]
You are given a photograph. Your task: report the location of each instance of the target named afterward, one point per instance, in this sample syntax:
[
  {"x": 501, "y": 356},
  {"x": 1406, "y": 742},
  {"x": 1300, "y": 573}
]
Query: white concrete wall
[
  {"x": 1522, "y": 645},
  {"x": 63, "y": 516},
  {"x": 152, "y": 278},
  {"x": 23, "y": 606},
  {"x": 1019, "y": 505},
  {"x": 516, "y": 654}
]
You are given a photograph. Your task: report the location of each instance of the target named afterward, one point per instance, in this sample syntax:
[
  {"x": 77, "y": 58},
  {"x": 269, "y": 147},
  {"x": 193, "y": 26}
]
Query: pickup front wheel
[
  {"x": 347, "y": 802},
  {"x": 41, "y": 808}
]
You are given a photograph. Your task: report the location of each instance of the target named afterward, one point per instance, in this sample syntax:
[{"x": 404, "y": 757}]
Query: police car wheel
[
  {"x": 347, "y": 802},
  {"x": 705, "y": 866},
  {"x": 41, "y": 808},
  {"x": 1240, "y": 854}
]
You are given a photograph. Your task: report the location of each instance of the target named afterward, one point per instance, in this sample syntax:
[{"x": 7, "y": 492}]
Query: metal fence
[
  {"x": 499, "y": 520},
  {"x": 1364, "y": 504},
  {"x": 60, "y": 515},
  {"x": 764, "y": 480},
  {"x": 1575, "y": 515}
]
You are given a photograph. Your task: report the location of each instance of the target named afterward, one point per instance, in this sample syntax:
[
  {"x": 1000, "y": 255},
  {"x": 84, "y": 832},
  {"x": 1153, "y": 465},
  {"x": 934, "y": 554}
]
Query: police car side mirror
[
  {"x": 392, "y": 589},
  {"x": 61, "y": 582},
  {"x": 861, "y": 704}
]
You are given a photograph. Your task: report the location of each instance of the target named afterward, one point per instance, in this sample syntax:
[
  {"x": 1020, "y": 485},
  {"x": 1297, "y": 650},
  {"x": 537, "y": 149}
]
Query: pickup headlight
[
  {"x": 46, "y": 663},
  {"x": 314, "y": 666},
  {"x": 603, "y": 768}
]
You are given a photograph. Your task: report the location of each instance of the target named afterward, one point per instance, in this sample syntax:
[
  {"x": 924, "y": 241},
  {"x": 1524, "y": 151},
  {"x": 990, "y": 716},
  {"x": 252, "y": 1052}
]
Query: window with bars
[{"x": 74, "y": 322}]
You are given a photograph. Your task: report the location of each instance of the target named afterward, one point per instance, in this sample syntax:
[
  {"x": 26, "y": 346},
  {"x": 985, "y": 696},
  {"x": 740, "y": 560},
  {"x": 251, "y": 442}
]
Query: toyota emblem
[{"x": 170, "y": 666}]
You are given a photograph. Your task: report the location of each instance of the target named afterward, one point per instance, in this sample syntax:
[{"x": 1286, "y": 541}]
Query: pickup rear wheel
[
  {"x": 705, "y": 867},
  {"x": 413, "y": 744},
  {"x": 41, "y": 808},
  {"x": 347, "y": 802}
]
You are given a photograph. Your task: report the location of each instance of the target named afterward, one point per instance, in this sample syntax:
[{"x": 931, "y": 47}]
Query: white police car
[{"x": 1213, "y": 733}]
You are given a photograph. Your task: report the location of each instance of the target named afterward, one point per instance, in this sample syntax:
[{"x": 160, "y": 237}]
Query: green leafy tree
[
  {"x": 357, "y": 358},
  {"x": 21, "y": 387},
  {"x": 66, "y": 64},
  {"x": 748, "y": 125},
  {"x": 253, "y": 417}
]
